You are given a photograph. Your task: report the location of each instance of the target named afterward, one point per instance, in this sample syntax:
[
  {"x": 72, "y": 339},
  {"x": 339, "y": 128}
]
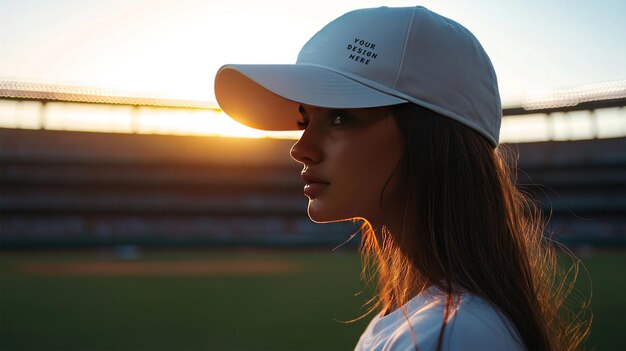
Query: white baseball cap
[{"x": 370, "y": 58}]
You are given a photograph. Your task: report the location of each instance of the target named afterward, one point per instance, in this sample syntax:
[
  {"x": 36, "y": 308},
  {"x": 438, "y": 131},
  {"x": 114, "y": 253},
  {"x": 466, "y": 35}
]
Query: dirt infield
[{"x": 161, "y": 268}]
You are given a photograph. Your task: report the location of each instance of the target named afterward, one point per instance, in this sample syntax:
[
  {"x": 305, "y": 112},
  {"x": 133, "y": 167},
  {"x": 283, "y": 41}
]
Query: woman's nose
[{"x": 306, "y": 150}]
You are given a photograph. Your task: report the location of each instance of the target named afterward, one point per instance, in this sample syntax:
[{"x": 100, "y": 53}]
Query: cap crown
[
  {"x": 414, "y": 54},
  {"x": 368, "y": 43}
]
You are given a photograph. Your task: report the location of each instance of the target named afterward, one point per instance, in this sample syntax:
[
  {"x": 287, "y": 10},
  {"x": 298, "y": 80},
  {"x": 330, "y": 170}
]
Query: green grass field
[{"x": 282, "y": 311}]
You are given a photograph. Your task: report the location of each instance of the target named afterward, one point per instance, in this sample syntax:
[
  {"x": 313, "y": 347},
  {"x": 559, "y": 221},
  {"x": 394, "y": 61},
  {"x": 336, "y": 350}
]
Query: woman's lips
[
  {"x": 312, "y": 178},
  {"x": 313, "y": 184},
  {"x": 314, "y": 189}
]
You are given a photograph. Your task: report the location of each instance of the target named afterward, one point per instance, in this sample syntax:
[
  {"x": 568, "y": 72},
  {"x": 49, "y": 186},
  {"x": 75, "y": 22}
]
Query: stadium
[{"x": 137, "y": 221}]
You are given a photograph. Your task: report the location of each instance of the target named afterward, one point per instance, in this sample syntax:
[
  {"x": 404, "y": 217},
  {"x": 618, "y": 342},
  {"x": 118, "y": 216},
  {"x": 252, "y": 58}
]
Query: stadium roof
[
  {"x": 52, "y": 92},
  {"x": 586, "y": 97}
]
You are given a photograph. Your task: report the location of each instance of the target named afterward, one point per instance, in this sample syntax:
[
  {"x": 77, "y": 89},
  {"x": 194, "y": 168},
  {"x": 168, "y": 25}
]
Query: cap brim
[{"x": 267, "y": 97}]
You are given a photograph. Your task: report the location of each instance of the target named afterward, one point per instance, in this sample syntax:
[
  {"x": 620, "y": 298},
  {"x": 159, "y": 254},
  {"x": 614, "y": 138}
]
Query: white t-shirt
[{"x": 474, "y": 325}]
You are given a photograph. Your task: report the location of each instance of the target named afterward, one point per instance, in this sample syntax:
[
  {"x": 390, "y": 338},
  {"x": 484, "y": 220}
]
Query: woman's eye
[{"x": 338, "y": 120}]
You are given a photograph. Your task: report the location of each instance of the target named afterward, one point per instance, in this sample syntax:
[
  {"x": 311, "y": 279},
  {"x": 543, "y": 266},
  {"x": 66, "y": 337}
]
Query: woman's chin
[{"x": 319, "y": 214}]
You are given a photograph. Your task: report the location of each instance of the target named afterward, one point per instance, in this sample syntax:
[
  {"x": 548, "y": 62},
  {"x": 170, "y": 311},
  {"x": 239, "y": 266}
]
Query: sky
[{"x": 174, "y": 48}]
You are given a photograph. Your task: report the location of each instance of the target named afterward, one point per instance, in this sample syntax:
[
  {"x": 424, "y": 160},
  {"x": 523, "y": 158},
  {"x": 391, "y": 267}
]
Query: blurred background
[{"x": 135, "y": 215}]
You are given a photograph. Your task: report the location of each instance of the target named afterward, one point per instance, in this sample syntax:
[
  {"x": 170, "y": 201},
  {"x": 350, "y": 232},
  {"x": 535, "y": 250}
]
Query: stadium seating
[{"x": 60, "y": 188}]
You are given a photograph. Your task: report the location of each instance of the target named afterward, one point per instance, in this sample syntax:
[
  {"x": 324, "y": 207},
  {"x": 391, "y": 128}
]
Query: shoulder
[
  {"x": 474, "y": 325},
  {"x": 479, "y": 325}
]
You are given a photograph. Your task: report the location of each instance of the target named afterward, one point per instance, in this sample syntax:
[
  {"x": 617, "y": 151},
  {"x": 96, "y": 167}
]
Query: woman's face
[{"x": 348, "y": 157}]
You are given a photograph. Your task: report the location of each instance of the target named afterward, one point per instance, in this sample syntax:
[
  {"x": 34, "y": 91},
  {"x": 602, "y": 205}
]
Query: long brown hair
[{"x": 467, "y": 226}]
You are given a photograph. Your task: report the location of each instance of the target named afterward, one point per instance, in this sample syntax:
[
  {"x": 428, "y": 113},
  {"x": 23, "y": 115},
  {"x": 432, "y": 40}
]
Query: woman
[{"x": 401, "y": 116}]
